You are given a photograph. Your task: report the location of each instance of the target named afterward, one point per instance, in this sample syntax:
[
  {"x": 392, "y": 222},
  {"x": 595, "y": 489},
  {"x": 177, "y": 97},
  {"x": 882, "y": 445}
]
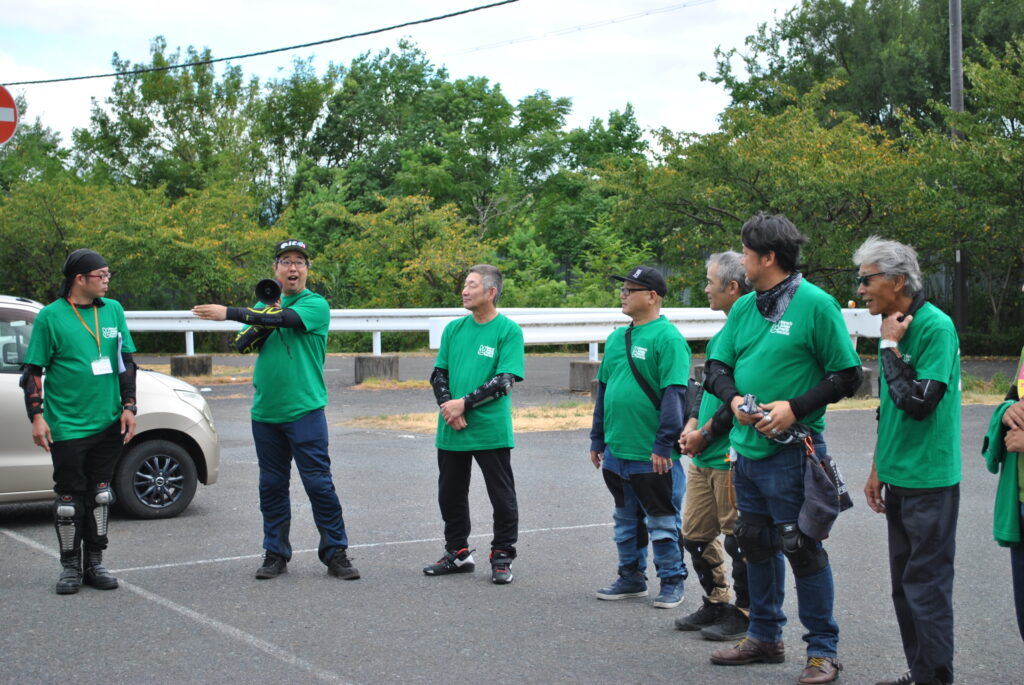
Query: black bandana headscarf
[{"x": 79, "y": 262}]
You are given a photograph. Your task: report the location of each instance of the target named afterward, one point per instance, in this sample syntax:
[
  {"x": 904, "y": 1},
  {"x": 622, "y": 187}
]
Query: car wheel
[{"x": 155, "y": 479}]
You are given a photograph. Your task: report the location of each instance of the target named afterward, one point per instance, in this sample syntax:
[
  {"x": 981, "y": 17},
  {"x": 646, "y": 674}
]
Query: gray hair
[
  {"x": 893, "y": 259},
  {"x": 490, "y": 277},
  {"x": 730, "y": 268}
]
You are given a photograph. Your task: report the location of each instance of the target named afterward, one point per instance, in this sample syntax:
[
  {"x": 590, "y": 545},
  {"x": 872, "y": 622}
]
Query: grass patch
[
  {"x": 561, "y": 417},
  {"x": 391, "y": 384},
  {"x": 221, "y": 375}
]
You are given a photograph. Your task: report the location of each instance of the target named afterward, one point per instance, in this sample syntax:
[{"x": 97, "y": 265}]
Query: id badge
[{"x": 101, "y": 367}]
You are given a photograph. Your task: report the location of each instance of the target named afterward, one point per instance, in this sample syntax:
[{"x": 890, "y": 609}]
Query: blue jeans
[
  {"x": 305, "y": 441},
  {"x": 774, "y": 487},
  {"x": 1017, "y": 569},
  {"x": 646, "y": 504}
]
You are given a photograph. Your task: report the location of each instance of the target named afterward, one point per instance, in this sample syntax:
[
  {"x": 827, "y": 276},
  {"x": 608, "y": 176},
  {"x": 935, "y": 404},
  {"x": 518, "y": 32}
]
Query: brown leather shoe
[
  {"x": 748, "y": 651},
  {"x": 820, "y": 669}
]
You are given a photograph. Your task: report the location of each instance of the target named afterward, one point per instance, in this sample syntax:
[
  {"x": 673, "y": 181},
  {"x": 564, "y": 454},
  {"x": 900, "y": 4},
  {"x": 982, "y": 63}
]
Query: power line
[
  {"x": 268, "y": 52},
  {"x": 581, "y": 27}
]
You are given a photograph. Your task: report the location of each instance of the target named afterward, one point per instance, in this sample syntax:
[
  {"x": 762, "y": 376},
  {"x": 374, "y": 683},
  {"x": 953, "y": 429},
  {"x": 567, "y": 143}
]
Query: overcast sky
[{"x": 651, "y": 61}]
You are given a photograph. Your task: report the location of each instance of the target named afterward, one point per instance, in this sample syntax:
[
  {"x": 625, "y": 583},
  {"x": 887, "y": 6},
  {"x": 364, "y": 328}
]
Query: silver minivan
[{"x": 174, "y": 449}]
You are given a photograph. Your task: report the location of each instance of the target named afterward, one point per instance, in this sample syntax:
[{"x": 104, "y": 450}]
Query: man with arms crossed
[
  {"x": 787, "y": 345},
  {"x": 88, "y": 413},
  {"x": 917, "y": 455},
  {"x": 288, "y": 420},
  {"x": 634, "y": 427},
  {"x": 710, "y": 508},
  {"x": 480, "y": 357}
]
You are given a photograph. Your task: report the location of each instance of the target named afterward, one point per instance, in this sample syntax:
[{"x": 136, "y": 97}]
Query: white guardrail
[{"x": 540, "y": 326}]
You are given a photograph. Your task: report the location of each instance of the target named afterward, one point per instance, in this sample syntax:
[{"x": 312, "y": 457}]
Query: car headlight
[{"x": 198, "y": 401}]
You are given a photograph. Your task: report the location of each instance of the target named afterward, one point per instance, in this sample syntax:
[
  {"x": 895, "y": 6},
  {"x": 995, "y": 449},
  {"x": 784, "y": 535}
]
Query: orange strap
[{"x": 96, "y": 335}]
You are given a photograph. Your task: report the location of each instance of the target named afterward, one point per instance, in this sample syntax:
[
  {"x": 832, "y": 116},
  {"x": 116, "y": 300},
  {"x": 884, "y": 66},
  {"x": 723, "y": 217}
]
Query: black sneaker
[
  {"x": 273, "y": 566},
  {"x": 708, "y": 614},
  {"x": 731, "y": 626},
  {"x": 341, "y": 567},
  {"x": 452, "y": 562},
  {"x": 501, "y": 567}
]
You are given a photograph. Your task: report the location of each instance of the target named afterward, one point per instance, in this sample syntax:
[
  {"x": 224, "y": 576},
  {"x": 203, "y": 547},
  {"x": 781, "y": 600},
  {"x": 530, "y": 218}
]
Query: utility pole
[{"x": 956, "y": 103}]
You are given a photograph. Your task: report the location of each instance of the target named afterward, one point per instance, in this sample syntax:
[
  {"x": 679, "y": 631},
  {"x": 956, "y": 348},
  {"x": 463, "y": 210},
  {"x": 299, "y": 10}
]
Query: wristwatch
[{"x": 130, "y": 407}]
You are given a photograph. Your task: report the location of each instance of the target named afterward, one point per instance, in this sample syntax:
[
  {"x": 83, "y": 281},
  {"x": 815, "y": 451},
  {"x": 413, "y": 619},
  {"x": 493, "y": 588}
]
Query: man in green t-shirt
[
  {"x": 288, "y": 420},
  {"x": 480, "y": 358},
  {"x": 786, "y": 346},
  {"x": 710, "y": 508},
  {"x": 87, "y": 413},
  {"x": 1008, "y": 509},
  {"x": 917, "y": 455},
  {"x": 638, "y": 415}
]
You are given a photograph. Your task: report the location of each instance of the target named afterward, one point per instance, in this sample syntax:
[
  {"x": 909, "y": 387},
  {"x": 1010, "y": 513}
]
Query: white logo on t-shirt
[
  {"x": 781, "y": 327},
  {"x": 110, "y": 332},
  {"x": 485, "y": 351},
  {"x": 639, "y": 352}
]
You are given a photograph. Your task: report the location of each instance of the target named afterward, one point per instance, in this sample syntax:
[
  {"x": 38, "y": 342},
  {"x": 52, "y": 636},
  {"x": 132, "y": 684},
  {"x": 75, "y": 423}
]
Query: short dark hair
[{"x": 764, "y": 233}]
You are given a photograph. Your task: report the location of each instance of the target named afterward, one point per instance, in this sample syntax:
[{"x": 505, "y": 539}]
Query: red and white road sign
[{"x": 8, "y": 116}]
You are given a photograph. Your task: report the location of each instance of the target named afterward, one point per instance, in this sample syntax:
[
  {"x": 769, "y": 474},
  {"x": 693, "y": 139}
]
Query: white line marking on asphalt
[
  {"x": 366, "y": 545},
  {"x": 219, "y": 626}
]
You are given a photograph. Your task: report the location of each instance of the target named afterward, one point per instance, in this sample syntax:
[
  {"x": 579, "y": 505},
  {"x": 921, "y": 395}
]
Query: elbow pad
[
  {"x": 832, "y": 388},
  {"x": 719, "y": 381},
  {"x": 439, "y": 382},
  {"x": 499, "y": 386},
  {"x": 32, "y": 384},
  {"x": 918, "y": 398}
]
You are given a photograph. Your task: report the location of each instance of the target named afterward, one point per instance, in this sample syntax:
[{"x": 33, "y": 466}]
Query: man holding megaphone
[{"x": 290, "y": 335}]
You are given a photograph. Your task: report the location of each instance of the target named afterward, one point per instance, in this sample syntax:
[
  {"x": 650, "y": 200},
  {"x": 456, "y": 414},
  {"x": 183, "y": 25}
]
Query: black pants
[
  {"x": 79, "y": 466},
  {"x": 454, "y": 471},
  {"x": 922, "y": 543}
]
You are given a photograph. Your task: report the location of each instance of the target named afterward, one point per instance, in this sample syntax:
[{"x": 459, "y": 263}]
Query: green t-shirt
[
  {"x": 662, "y": 357},
  {"x": 473, "y": 354},
  {"x": 923, "y": 454},
  {"x": 289, "y": 373},
  {"x": 78, "y": 403},
  {"x": 780, "y": 361},
  {"x": 715, "y": 455}
]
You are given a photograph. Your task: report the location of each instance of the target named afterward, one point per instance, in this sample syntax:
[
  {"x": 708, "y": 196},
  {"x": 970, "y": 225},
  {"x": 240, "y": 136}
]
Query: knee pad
[
  {"x": 805, "y": 556},
  {"x": 67, "y": 511},
  {"x": 739, "y": 572},
  {"x": 99, "y": 499},
  {"x": 757, "y": 537},
  {"x": 701, "y": 565}
]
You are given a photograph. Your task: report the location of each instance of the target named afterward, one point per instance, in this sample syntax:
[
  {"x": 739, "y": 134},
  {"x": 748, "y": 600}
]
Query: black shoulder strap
[{"x": 644, "y": 385}]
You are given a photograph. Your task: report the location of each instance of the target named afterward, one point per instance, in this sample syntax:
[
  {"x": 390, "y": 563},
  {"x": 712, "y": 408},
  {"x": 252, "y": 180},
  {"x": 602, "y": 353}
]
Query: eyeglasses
[
  {"x": 287, "y": 263},
  {"x": 624, "y": 291},
  {"x": 105, "y": 277},
  {"x": 866, "y": 278}
]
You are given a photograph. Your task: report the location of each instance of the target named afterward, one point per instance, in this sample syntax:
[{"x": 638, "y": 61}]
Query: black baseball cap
[
  {"x": 291, "y": 245},
  {"x": 645, "y": 276}
]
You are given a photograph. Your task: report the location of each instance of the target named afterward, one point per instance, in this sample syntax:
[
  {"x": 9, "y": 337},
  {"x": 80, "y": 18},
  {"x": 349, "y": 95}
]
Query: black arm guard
[
  {"x": 721, "y": 421},
  {"x": 499, "y": 386},
  {"x": 719, "y": 381},
  {"x": 32, "y": 384},
  {"x": 268, "y": 317},
  {"x": 832, "y": 388},
  {"x": 126, "y": 379},
  {"x": 694, "y": 394},
  {"x": 439, "y": 381},
  {"x": 597, "y": 443},
  {"x": 918, "y": 398}
]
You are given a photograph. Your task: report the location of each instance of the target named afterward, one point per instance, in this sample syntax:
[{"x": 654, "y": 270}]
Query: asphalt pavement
[{"x": 189, "y": 611}]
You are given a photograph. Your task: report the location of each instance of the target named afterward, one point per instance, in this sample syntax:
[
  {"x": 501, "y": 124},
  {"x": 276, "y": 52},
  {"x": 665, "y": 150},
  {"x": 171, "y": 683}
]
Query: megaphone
[{"x": 268, "y": 291}]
